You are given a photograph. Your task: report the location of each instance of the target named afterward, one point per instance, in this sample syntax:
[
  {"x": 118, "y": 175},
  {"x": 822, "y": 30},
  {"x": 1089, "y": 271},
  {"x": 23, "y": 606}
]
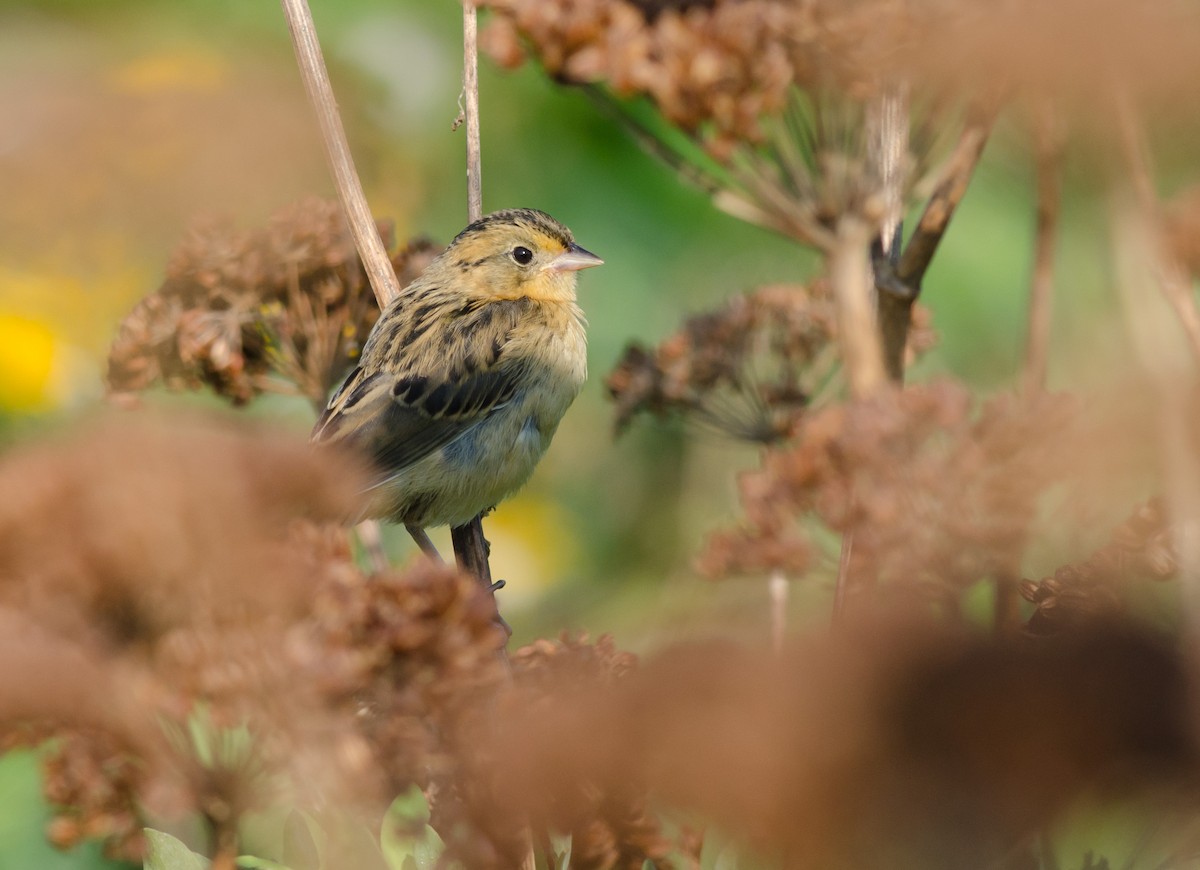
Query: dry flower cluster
[
  {"x": 1140, "y": 548},
  {"x": 886, "y": 744},
  {"x": 727, "y": 63},
  {"x": 346, "y": 689},
  {"x": 748, "y": 369},
  {"x": 282, "y": 309},
  {"x": 352, "y": 687},
  {"x": 935, "y": 494}
]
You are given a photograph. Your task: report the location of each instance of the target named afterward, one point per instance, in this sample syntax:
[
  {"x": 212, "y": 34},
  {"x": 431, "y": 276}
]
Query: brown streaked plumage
[{"x": 465, "y": 377}]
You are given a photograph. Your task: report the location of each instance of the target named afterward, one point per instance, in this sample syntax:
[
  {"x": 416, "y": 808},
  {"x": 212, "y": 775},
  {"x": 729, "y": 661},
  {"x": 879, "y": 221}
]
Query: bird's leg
[
  {"x": 471, "y": 550},
  {"x": 426, "y": 545}
]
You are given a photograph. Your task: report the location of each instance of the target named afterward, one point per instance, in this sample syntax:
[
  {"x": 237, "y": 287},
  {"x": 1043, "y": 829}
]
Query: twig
[
  {"x": 1137, "y": 250},
  {"x": 471, "y": 109},
  {"x": 1171, "y": 277},
  {"x": 1048, "y": 149},
  {"x": 1143, "y": 259},
  {"x": 850, "y": 276},
  {"x": 778, "y": 589},
  {"x": 354, "y": 202},
  {"x": 843, "y": 577},
  {"x": 887, "y": 148},
  {"x": 899, "y": 289},
  {"x": 1049, "y": 152},
  {"x": 930, "y": 229}
]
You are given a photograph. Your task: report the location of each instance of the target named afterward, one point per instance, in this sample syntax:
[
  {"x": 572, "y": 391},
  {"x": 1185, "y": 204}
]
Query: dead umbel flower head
[
  {"x": 281, "y": 309},
  {"x": 169, "y": 576},
  {"x": 748, "y": 369},
  {"x": 899, "y": 745},
  {"x": 936, "y": 494},
  {"x": 728, "y": 63},
  {"x": 134, "y": 527}
]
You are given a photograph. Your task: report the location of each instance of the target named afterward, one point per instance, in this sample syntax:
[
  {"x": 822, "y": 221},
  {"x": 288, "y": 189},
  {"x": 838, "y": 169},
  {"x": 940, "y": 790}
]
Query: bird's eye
[{"x": 522, "y": 255}]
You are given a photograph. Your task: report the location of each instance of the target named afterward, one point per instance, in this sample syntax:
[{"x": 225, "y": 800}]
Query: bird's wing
[{"x": 399, "y": 413}]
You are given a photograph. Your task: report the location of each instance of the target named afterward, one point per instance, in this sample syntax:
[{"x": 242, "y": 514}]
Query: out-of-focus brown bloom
[
  {"x": 410, "y": 654},
  {"x": 748, "y": 369},
  {"x": 284, "y": 308},
  {"x": 886, "y": 745},
  {"x": 717, "y": 65},
  {"x": 94, "y": 784},
  {"x": 159, "y": 572},
  {"x": 102, "y": 535},
  {"x": 934, "y": 494},
  {"x": 1140, "y": 548},
  {"x": 727, "y": 63},
  {"x": 610, "y": 826}
]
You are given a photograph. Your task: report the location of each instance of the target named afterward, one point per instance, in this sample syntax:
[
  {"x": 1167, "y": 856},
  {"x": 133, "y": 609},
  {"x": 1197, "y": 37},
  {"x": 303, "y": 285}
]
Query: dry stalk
[
  {"x": 471, "y": 109},
  {"x": 1138, "y": 250},
  {"x": 900, "y": 287},
  {"x": 1170, "y": 275},
  {"x": 337, "y": 150},
  {"x": 778, "y": 590},
  {"x": 1048, "y": 150},
  {"x": 851, "y": 279}
]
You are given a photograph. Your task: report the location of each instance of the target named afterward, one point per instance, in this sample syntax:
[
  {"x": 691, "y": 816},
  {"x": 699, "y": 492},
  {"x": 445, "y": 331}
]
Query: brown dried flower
[
  {"x": 900, "y": 745},
  {"x": 750, "y": 369},
  {"x": 281, "y": 309},
  {"x": 933, "y": 493},
  {"x": 1140, "y": 548}
]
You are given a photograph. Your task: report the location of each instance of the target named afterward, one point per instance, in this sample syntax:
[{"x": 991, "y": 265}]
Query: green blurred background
[{"x": 122, "y": 122}]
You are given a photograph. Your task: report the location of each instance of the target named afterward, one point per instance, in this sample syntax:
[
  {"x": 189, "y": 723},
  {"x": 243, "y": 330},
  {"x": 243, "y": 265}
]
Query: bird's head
[{"x": 517, "y": 253}]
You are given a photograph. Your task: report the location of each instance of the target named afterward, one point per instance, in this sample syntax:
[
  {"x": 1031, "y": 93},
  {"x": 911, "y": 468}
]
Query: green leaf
[
  {"x": 411, "y": 808},
  {"x": 299, "y": 847},
  {"x": 164, "y": 852},
  {"x": 404, "y": 851},
  {"x": 351, "y": 845},
  {"x": 250, "y": 862}
]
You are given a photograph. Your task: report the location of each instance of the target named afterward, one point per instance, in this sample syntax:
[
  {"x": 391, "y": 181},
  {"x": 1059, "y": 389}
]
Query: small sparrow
[{"x": 466, "y": 375}]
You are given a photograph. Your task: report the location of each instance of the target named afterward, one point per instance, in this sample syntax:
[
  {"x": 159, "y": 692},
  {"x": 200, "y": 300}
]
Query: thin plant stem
[
  {"x": 899, "y": 286},
  {"x": 842, "y": 583},
  {"x": 928, "y": 233},
  {"x": 851, "y": 278},
  {"x": 1171, "y": 277},
  {"x": 471, "y": 110},
  {"x": 1138, "y": 266},
  {"x": 1049, "y": 153},
  {"x": 778, "y": 590},
  {"x": 349, "y": 188},
  {"x": 1048, "y": 150}
]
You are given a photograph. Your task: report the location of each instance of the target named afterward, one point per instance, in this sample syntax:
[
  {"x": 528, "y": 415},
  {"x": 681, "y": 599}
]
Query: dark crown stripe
[{"x": 529, "y": 217}]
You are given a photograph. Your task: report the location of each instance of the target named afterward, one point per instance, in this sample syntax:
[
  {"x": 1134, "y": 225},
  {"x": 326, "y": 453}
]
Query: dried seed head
[{"x": 282, "y": 309}]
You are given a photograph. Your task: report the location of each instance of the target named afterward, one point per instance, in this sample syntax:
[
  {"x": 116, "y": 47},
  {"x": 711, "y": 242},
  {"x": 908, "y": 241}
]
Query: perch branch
[
  {"x": 1048, "y": 149},
  {"x": 354, "y": 202}
]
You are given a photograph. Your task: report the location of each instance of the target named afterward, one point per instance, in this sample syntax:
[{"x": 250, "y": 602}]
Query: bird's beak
[{"x": 574, "y": 259}]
